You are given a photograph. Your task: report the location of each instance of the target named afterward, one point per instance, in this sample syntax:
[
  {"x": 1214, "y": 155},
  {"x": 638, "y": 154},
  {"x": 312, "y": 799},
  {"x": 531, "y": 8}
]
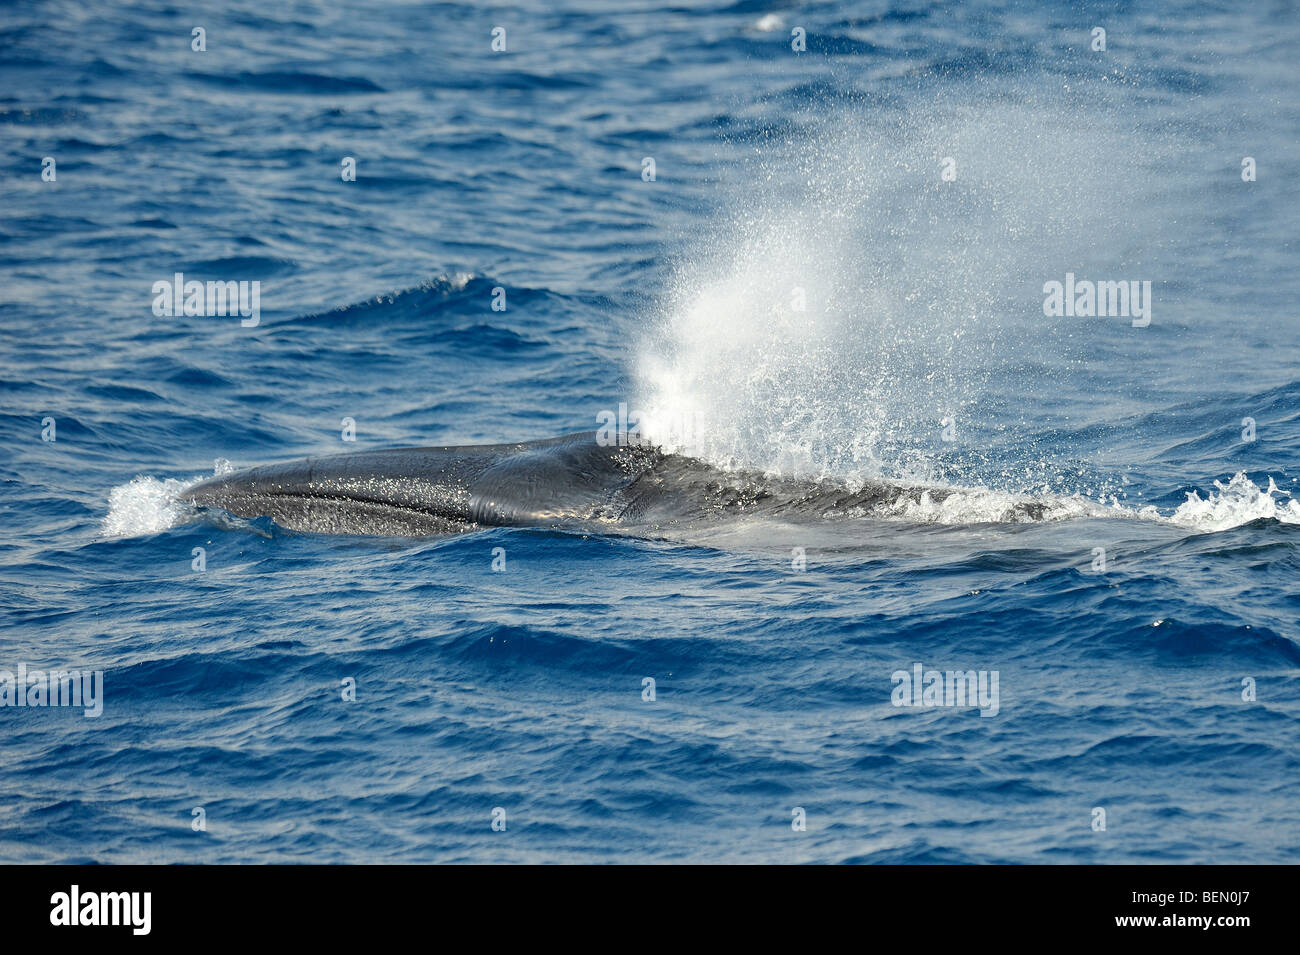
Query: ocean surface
[{"x": 826, "y": 263}]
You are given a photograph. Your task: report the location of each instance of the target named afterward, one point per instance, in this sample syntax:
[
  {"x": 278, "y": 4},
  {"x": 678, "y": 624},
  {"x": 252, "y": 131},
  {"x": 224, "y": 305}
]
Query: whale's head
[{"x": 424, "y": 491}]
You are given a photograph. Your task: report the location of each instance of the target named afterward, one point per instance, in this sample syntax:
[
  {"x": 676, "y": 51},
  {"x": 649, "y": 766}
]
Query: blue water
[{"x": 1125, "y": 685}]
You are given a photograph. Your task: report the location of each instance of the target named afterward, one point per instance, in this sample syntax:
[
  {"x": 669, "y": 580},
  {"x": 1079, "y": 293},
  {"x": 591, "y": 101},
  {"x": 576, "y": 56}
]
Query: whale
[{"x": 574, "y": 481}]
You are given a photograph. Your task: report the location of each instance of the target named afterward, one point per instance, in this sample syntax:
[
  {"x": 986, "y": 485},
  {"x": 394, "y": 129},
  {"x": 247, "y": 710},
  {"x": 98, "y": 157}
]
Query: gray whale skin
[{"x": 571, "y": 481}]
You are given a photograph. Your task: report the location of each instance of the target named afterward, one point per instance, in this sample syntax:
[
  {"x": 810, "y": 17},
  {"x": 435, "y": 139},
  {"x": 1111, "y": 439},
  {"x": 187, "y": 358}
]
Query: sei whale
[{"x": 573, "y": 481}]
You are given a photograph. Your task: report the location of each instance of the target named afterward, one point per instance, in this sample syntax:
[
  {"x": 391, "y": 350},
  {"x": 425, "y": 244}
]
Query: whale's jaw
[{"x": 329, "y": 515}]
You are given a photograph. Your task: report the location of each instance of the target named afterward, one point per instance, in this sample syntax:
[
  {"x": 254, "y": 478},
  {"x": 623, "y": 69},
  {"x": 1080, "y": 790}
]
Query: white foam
[
  {"x": 985, "y": 506},
  {"x": 1233, "y": 504},
  {"x": 1238, "y": 502},
  {"x": 147, "y": 505}
]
